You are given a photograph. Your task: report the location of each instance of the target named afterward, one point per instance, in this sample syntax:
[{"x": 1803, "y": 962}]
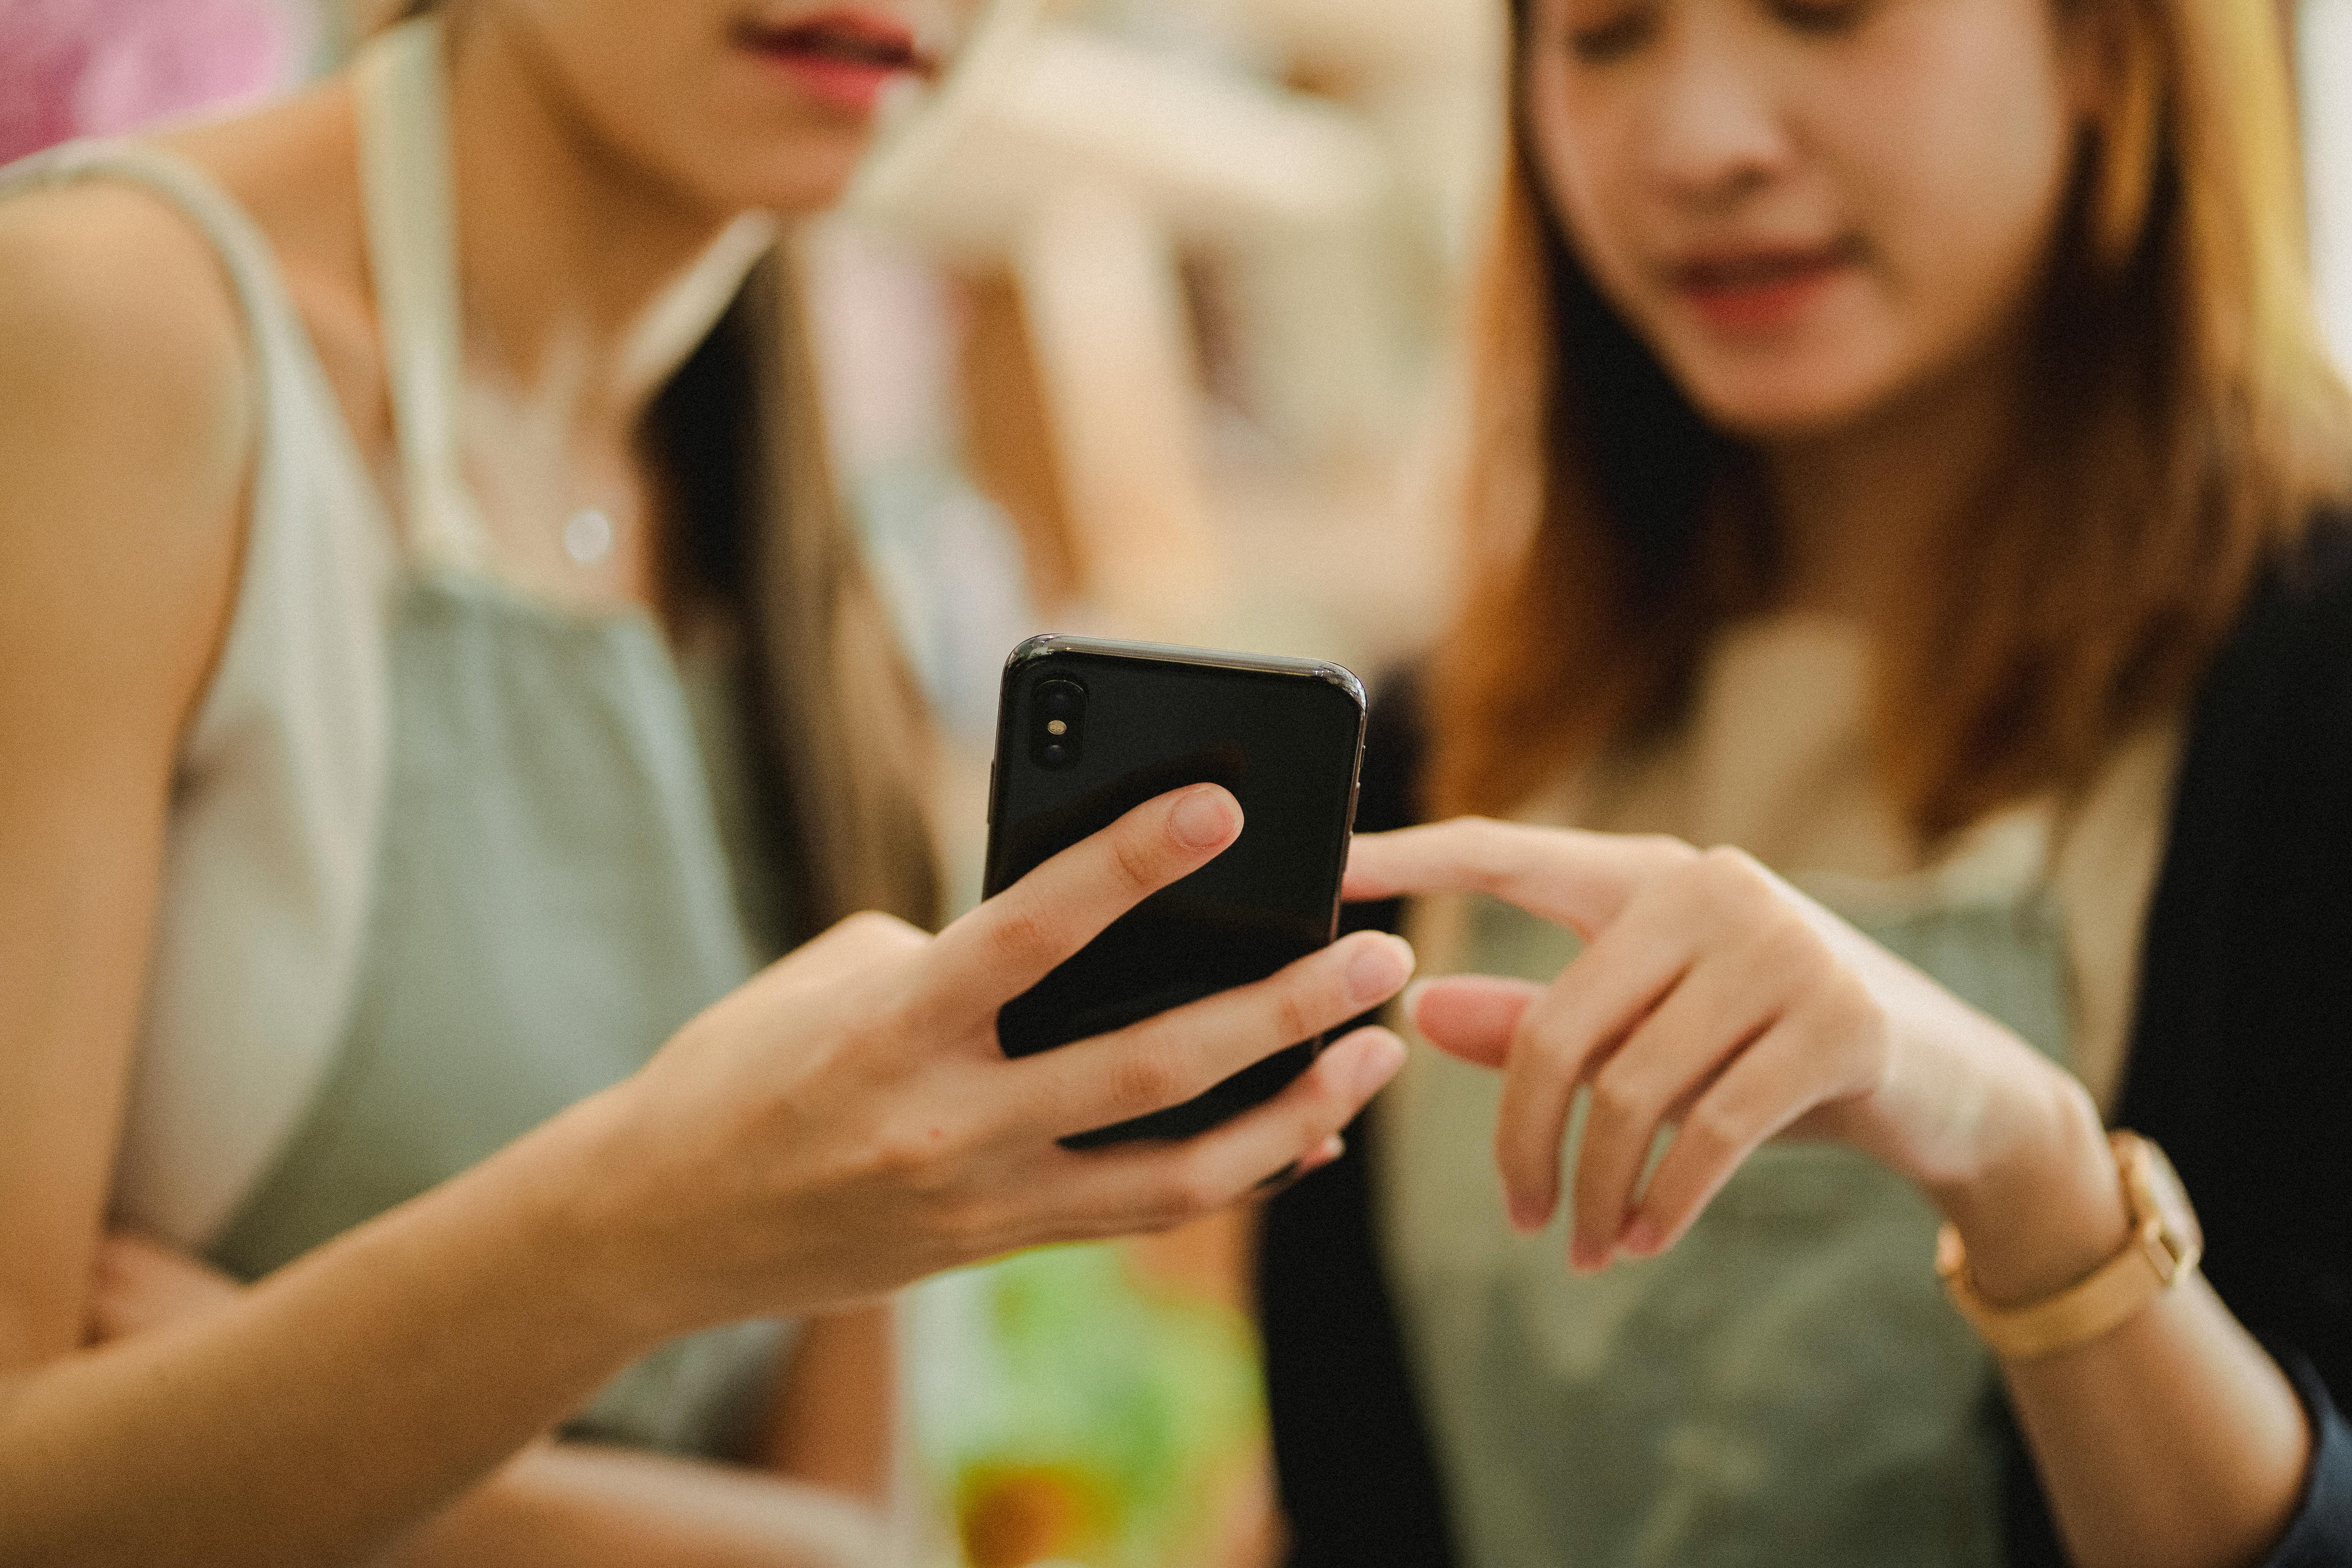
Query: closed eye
[
  {"x": 1615, "y": 38},
  {"x": 1820, "y": 17}
]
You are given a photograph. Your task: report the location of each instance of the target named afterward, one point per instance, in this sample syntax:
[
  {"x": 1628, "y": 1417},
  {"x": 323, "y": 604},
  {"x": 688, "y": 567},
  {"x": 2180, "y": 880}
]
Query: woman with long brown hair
[
  {"x": 1905, "y": 457},
  {"x": 436, "y": 685}
]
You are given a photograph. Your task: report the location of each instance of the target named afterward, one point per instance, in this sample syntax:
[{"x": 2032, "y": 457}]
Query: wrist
[{"x": 2043, "y": 1210}]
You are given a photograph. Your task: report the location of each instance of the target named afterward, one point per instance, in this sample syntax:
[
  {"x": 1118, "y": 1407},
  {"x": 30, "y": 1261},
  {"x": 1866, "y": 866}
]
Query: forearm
[
  {"x": 562, "y": 1505},
  {"x": 833, "y": 1420},
  {"x": 2173, "y": 1439},
  {"x": 355, "y": 1393},
  {"x": 337, "y": 1403}
]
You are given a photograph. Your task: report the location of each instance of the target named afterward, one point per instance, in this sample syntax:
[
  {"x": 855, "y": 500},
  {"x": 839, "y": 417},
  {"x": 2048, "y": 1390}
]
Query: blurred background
[{"x": 1137, "y": 323}]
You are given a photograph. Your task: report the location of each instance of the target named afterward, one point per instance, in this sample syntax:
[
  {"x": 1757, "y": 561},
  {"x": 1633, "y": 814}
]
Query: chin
[
  {"x": 1778, "y": 401},
  {"x": 795, "y": 198},
  {"x": 789, "y": 184}
]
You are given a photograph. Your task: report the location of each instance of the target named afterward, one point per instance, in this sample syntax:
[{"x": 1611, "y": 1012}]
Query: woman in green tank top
[{"x": 435, "y": 688}]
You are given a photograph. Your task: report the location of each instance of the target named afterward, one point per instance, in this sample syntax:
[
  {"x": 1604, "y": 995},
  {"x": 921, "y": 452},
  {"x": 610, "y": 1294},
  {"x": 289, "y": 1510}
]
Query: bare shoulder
[
  {"x": 113, "y": 308},
  {"x": 126, "y": 435},
  {"x": 127, "y": 415}
]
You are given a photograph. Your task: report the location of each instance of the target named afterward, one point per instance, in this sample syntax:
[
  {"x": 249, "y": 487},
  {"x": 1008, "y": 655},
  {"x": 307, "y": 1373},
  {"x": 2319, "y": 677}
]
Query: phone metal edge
[
  {"x": 1330, "y": 672},
  {"x": 1033, "y": 648}
]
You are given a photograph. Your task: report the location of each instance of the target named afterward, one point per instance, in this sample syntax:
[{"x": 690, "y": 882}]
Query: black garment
[
  {"x": 2244, "y": 1010},
  {"x": 1351, "y": 1451}
]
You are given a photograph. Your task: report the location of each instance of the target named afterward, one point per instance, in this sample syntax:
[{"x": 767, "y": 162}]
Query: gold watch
[{"x": 2165, "y": 1245}]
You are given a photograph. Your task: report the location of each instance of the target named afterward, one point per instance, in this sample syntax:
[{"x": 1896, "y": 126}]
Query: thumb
[{"x": 1472, "y": 1017}]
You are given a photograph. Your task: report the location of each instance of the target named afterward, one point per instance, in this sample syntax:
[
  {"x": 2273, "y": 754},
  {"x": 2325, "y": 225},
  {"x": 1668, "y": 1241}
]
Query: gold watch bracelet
[{"x": 2162, "y": 1250}]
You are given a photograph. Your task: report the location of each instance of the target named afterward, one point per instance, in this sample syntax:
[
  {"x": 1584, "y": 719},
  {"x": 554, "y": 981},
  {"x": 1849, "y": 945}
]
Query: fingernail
[
  {"x": 1380, "y": 1063},
  {"x": 1526, "y": 1214},
  {"x": 1409, "y": 1005},
  {"x": 1378, "y": 968},
  {"x": 1327, "y": 1151},
  {"x": 1586, "y": 1257},
  {"x": 1203, "y": 819},
  {"x": 1643, "y": 1237}
]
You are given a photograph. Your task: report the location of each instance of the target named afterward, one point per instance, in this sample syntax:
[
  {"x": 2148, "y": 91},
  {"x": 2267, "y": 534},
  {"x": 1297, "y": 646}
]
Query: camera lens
[{"x": 1057, "y": 722}]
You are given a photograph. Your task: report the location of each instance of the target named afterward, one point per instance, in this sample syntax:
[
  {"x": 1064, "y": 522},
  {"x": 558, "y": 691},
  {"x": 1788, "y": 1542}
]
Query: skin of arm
[
  {"x": 581, "y": 1505},
  {"x": 575, "y": 1505},
  {"x": 898, "y": 1139},
  {"x": 1713, "y": 998},
  {"x": 831, "y": 1423},
  {"x": 841, "y": 1125},
  {"x": 690, "y": 1195},
  {"x": 125, "y": 426}
]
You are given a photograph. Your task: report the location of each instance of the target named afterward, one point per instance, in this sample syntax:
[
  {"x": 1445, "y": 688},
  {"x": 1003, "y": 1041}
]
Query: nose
[{"x": 1715, "y": 132}]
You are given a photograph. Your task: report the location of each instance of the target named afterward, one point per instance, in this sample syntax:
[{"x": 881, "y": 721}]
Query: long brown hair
[
  {"x": 2184, "y": 424},
  {"x": 739, "y": 437}
]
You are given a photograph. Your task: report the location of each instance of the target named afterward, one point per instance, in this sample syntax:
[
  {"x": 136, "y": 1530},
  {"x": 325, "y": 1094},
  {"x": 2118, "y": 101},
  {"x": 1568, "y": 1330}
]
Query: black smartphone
[{"x": 1087, "y": 730}]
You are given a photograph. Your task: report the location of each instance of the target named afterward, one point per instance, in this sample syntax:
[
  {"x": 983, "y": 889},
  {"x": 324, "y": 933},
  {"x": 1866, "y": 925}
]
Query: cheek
[
  {"x": 1584, "y": 174},
  {"x": 1957, "y": 190},
  {"x": 1947, "y": 143},
  {"x": 625, "y": 80},
  {"x": 679, "y": 104}
]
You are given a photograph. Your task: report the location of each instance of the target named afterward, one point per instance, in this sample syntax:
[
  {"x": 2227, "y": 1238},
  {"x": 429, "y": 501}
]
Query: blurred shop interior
[{"x": 1136, "y": 325}]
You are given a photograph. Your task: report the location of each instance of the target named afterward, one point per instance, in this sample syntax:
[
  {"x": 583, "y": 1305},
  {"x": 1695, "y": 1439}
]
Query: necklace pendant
[{"x": 588, "y": 537}]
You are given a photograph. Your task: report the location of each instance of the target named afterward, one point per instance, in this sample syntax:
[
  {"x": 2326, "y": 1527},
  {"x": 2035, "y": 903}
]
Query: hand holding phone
[{"x": 1086, "y": 730}]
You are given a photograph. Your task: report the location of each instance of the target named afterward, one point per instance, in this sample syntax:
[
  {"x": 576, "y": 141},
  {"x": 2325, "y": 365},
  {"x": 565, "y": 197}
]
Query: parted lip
[
  {"x": 1734, "y": 268},
  {"x": 838, "y": 34}
]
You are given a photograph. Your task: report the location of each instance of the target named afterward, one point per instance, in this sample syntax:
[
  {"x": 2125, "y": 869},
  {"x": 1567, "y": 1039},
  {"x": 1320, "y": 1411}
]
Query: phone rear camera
[{"x": 1056, "y": 728}]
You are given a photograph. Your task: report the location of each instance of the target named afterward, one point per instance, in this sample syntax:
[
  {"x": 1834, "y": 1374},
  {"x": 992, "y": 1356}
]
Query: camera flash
[{"x": 1056, "y": 727}]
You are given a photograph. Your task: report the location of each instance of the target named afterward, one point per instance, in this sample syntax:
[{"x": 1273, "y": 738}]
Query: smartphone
[{"x": 1088, "y": 730}]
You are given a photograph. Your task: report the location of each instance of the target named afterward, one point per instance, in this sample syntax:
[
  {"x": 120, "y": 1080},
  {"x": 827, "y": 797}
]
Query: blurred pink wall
[{"x": 93, "y": 67}]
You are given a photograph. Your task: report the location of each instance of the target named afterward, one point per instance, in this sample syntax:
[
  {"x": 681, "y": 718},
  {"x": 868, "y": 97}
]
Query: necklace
[{"x": 588, "y": 536}]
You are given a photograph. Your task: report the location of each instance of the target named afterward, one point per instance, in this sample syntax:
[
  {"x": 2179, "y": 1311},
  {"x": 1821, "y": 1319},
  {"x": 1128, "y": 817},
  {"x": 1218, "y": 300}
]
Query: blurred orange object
[{"x": 1017, "y": 1515}]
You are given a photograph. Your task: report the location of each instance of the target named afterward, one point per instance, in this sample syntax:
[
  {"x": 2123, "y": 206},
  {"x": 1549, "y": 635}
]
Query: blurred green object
[{"x": 1069, "y": 1413}]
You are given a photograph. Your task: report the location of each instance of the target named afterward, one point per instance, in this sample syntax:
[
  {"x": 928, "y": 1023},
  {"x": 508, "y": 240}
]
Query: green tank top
[
  {"x": 554, "y": 896},
  {"x": 566, "y": 865}
]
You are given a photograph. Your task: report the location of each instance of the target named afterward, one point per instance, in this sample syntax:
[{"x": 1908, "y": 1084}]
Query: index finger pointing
[
  {"x": 1563, "y": 874},
  {"x": 1011, "y": 942}
]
